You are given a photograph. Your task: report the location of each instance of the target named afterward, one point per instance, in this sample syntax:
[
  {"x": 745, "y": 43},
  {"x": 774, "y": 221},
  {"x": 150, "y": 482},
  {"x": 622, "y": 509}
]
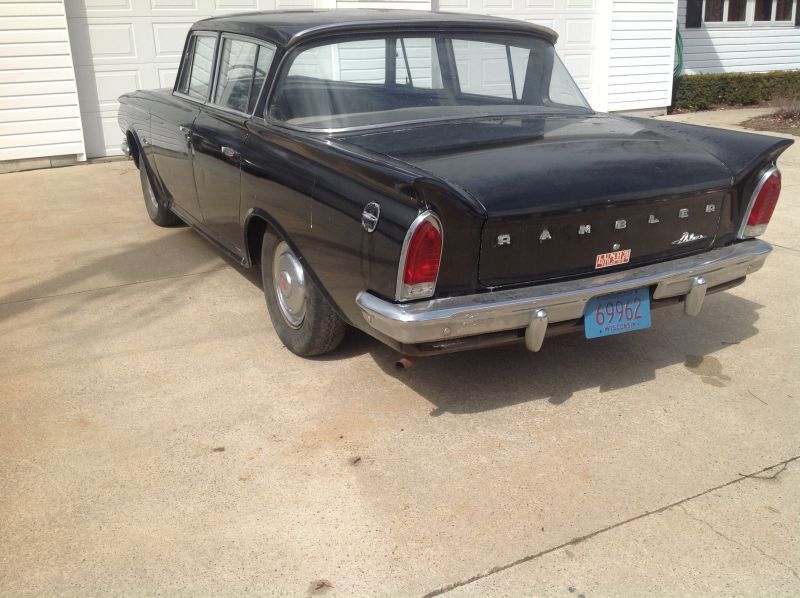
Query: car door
[
  {"x": 172, "y": 119},
  {"x": 219, "y": 134}
]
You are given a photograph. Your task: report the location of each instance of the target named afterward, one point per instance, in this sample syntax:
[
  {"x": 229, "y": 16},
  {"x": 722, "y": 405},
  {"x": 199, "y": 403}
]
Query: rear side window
[
  {"x": 264, "y": 61},
  {"x": 243, "y": 66},
  {"x": 195, "y": 77}
]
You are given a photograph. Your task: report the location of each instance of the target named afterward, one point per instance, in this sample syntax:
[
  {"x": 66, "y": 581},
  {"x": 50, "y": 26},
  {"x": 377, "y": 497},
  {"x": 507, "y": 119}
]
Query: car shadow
[
  {"x": 487, "y": 379},
  {"x": 493, "y": 378}
]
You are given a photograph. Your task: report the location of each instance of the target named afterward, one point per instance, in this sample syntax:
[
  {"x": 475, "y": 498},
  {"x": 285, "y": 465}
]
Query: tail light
[
  {"x": 762, "y": 204},
  {"x": 419, "y": 258}
]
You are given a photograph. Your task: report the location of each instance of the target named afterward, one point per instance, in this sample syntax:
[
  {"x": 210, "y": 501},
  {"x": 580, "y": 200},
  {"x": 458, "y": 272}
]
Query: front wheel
[
  {"x": 156, "y": 208},
  {"x": 304, "y": 320}
]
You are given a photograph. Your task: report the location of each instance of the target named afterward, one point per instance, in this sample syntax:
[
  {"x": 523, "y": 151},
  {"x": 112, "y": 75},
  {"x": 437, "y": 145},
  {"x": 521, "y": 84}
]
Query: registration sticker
[
  {"x": 617, "y": 313},
  {"x": 614, "y": 258}
]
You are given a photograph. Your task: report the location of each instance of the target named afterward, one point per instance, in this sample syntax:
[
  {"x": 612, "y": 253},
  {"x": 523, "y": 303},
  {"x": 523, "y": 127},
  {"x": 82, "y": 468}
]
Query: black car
[{"x": 439, "y": 181}]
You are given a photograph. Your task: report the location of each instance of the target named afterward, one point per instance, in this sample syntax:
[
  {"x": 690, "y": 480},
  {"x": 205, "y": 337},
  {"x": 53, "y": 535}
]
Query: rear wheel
[
  {"x": 304, "y": 320},
  {"x": 156, "y": 208}
]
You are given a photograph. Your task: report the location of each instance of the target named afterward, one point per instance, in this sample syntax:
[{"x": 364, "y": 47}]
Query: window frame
[
  {"x": 749, "y": 18},
  {"x": 188, "y": 61},
  {"x": 218, "y": 65}
]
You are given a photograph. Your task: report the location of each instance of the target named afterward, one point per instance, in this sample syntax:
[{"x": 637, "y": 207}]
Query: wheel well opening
[
  {"x": 133, "y": 145},
  {"x": 255, "y": 237}
]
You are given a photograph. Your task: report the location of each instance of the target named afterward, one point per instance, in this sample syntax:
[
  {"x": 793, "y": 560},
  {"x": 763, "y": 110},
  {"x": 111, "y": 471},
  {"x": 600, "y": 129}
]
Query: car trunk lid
[{"x": 560, "y": 190}]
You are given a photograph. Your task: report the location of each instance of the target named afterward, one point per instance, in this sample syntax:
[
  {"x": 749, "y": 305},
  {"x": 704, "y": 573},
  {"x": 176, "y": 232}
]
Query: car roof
[{"x": 288, "y": 27}]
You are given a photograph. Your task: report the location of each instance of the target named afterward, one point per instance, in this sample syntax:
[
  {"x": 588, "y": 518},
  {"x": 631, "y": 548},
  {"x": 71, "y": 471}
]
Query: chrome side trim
[
  {"x": 772, "y": 169},
  {"x": 516, "y": 309},
  {"x": 404, "y": 292}
]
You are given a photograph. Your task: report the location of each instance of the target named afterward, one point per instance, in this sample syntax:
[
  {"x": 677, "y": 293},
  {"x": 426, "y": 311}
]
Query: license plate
[{"x": 617, "y": 313}]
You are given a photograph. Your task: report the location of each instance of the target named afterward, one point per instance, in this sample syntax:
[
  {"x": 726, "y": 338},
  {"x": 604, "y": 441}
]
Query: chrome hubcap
[{"x": 289, "y": 281}]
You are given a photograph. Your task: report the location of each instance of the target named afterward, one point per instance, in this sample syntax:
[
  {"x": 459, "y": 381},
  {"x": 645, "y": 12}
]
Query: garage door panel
[
  {"x": 101, "y": 134},
  {"x": 168, "y": 39},
  {"x": 100, "y": 89},
  {"x": 166, "y": 77}
]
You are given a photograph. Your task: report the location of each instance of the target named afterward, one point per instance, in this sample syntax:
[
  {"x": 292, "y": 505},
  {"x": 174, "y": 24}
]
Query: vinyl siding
[
  {"x": 642, "y": 54},
  {"x": 39, "y": 114},
  {"x": 739, "y": 48}
]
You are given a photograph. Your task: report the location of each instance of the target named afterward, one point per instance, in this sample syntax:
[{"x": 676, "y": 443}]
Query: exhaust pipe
[{"x": 404, "y": 363}]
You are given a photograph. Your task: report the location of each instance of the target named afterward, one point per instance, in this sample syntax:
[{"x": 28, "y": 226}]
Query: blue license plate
[{"x": 617, "y": 313}]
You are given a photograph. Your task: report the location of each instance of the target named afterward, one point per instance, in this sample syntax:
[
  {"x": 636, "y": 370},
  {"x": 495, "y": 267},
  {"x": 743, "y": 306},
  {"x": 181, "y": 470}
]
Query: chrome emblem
[
  {"x": 503, "y": 240},
  {"x": 545, "y": 236},
  {"x": 616, "y": 246},
  {"x": 370, "y": 216},
  {"x": 652, "y": 219},
  {"x": 683, "y": 213},
  {"x": 620, "y": 224},
  {"x": 688, "y": 237},
  {"x": 710, "y": 208},
  {"x": 585, "y": 229}
]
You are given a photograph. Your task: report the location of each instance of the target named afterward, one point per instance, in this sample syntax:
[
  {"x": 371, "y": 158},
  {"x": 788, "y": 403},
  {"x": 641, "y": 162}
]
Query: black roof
[{"x": 289, "y": 27}]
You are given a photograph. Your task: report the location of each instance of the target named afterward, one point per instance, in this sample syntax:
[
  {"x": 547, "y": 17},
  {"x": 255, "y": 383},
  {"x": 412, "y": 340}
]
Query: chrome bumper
[{"x": 534, "y": 308}]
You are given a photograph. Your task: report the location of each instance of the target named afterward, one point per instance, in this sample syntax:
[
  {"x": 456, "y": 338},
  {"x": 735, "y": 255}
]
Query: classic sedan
[{"x": 440, "y": 182}]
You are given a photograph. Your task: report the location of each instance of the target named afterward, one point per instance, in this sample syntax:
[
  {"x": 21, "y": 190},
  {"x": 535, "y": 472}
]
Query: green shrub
[{"x": 701, "y": 92}]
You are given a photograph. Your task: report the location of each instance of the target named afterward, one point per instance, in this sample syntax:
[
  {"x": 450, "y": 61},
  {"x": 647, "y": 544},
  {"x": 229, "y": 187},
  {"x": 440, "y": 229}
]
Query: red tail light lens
[
  {"x": 763, "y": 204},
  {"x": 421, "y": 254}
]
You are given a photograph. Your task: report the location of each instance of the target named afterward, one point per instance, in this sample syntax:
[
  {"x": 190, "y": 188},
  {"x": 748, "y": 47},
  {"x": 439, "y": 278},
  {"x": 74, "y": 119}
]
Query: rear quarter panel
[{"x": 314, "y": 193}]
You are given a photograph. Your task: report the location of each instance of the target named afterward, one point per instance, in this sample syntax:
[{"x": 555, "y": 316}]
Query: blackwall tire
[
  {"x": 156, "y": 209},
  {"x": 301, "y": 315}
]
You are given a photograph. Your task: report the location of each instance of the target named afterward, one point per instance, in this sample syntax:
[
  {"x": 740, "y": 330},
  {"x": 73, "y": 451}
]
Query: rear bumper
[{"x": 534, "y": 309}]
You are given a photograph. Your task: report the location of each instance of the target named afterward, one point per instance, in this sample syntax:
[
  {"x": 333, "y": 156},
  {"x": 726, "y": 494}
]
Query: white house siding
[
  {"x": 39, "y": 114},
  {"x": 123, "y": 45},
  {"x": 642, "y": 54},
  {"x": 739, "y": 48}
]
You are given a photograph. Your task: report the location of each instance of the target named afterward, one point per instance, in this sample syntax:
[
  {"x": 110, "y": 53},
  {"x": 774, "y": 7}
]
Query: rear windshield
[{"x": 385, "y": 80}]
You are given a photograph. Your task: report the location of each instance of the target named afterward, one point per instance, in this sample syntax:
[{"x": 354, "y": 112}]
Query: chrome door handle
[
  {"x": 229, "y": 152},
  {"x": 184, "y": 130}
]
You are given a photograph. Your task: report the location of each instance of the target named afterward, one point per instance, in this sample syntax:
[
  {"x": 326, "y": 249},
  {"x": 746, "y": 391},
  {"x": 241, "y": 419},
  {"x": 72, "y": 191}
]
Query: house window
[
  {"x": 725, "y": 11},
  {"x": 773, "y": 10},
  {"x": 746, "y": 12}
]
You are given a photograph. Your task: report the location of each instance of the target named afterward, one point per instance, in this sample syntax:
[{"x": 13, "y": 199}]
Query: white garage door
[{"x": 123, "y": 45}]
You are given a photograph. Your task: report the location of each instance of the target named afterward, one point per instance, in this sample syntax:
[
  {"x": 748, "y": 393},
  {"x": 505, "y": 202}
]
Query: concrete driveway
[{"x": 157, "y": 438}]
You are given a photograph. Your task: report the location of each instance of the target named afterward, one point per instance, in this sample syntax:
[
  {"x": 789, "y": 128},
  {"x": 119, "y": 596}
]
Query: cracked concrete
[{"x": 157, "y": 438}]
